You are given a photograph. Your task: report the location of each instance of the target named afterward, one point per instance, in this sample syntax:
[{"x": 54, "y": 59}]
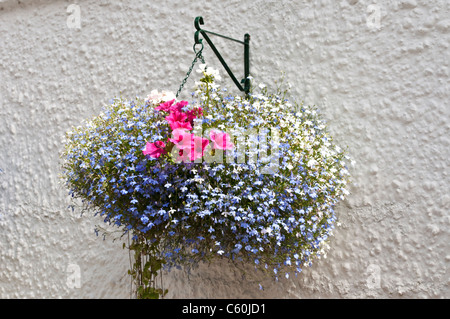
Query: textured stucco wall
[{"x": 378, "y": 70}]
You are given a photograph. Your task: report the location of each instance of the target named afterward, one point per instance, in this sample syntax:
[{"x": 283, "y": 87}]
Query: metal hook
[
  {"x": 201, "y": 49},
  {"x": 197, "y": 22}
]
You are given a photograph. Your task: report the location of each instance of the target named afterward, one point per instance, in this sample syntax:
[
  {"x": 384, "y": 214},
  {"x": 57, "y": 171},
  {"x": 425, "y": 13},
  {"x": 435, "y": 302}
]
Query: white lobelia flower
[
  {"x": 201, "y": 68},
  {"x": 168, "y": 96},
  {"x": 209, "y": 71},
  {"x": 267, "y": 230},
  {"x": 158, "y": 97},
  {"x": 199, "y": 180},
  {"x": 154, "y": 96},
  {"x": 312, "y": 162}
]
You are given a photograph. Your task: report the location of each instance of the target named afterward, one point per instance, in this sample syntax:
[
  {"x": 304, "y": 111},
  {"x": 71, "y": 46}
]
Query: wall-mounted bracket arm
[{"x": 245, "y": 81}]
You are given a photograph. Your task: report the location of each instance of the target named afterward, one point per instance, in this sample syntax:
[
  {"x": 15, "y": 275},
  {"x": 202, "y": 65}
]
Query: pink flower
[
  {"x": 178, "y": 134},
  {"x": 178, "y": 106},
  {"x": 221, "y": 140},
  {"x": 184, "y": 139},
  {"x": 192, "y": 147},
  {"x": 177, "y": 120},
  {"x": 176, "y": 116},
  {"x": 193, "y": 114},
  {"x": 154, "y": 150},
  {"x": 181, "y": 125},
  {"x": 165, "y": 106}
]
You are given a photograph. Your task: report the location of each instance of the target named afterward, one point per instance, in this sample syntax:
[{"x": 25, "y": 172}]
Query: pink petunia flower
[
  {"x": 178, "y": 135},
  {"x": 176, "y": 116},
  {"x": 178, "y": 119},
  {"x": 178, "y": 107},
  {"x": 193, "y": 147},
  {"x": 165, "y": 106},
  {"x": 184, "y": 139},
  {"x": 154, "y": 150},
  {"x": 221, "y": 140},
  {"x": 198, "y": 147},
  {"x": 181, "y": 125},
  {"x": 193, "y": 114}
]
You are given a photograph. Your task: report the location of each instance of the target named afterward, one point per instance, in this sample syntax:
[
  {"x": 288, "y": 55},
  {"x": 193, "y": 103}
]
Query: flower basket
[{"x": 250, "y": 178}]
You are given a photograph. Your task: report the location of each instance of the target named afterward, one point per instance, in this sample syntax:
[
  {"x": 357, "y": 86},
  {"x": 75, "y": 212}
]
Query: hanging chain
[{"x": 198, "y": 55}]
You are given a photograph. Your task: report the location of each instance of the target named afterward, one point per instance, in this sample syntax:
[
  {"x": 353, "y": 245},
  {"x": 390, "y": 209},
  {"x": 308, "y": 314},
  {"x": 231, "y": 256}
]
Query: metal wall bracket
[{"x": 245, "y": 81}]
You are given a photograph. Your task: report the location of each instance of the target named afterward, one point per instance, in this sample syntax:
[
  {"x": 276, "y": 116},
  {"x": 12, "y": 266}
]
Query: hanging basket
[
  {"x": 246, "y": 178},
  {"x": 252, "y": 178}
]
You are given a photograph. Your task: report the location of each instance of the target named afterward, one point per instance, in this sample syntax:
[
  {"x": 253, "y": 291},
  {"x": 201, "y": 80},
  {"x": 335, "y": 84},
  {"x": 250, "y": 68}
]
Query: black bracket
[{"x": 246, "y": 43}]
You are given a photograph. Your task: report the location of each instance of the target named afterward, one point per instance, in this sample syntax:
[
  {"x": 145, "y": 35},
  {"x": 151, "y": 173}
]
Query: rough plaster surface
[{"x": 378, "y": 70}]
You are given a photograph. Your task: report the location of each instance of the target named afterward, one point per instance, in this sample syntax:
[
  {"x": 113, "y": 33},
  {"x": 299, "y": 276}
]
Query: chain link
[{"x": 198, "y": 55}]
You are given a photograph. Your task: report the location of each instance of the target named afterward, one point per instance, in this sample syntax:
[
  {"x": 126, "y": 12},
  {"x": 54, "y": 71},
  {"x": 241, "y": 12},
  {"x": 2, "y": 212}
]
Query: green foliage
[{"x": 146, "y": 268}]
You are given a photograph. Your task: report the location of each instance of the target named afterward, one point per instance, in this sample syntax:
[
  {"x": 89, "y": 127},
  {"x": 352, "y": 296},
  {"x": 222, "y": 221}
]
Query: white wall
[{"x": 378, "y": 70}]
